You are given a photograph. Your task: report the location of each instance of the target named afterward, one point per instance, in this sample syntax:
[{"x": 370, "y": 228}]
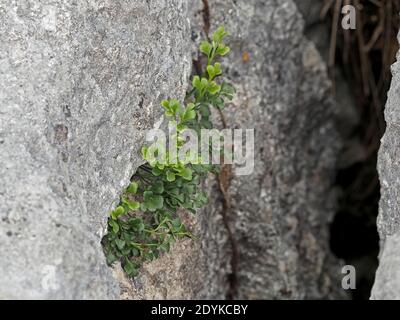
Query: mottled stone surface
[
  {"x": 281, "y": 212},
  {"x": 387, "y": 281},
  {"x": 387, "y": 278},
  {"x": 79, "y": 80},
  {"x": 346, "y": 111},
  {"x": 389, "y": 161},
  {"x": 78, "y": 83}
]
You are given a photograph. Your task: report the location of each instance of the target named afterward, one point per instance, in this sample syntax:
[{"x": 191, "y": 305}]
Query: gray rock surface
[
  {"x": 346, "y": 112},
  {"x": 279, "y": 214},
  {"x": 387, "y": 281},
  {"x": 78, "y": 82}
]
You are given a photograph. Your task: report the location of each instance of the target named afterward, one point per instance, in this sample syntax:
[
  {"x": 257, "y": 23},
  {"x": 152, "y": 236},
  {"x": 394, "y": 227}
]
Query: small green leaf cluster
[
  {"x": 170, "y": 167},
  {"x": 206, "y": 90},
  {"x": 146, "y": 223}
]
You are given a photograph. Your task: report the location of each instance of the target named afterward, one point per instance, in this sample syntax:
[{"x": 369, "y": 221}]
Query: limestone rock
[
  {"x": 280, "y": 213},
  {"x": 79, "y": 81},
  {"x": 387, "y": 281},
  {"x": 82, "y": 81}
]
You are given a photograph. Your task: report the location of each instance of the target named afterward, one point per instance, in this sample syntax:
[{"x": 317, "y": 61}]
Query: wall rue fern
[{"x": 146, "y": 223}]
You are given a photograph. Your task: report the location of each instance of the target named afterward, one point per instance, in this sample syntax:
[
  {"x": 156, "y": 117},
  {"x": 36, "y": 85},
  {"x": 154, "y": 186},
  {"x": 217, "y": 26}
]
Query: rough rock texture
[
  {"x": 346, "y": 111},
  {"x": 387, "y": 281},
  {"x": 280, "y": 213},
  {"x": 78, "y": 82},
  {"x": 176, "y": 275}
]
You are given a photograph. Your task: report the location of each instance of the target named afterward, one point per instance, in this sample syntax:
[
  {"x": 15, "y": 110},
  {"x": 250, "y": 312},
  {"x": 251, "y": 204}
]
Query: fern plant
[{"x": 146, "y": 223}]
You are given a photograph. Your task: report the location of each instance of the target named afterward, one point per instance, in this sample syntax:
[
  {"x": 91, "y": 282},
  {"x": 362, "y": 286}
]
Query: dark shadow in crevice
[
  {"x": 354, "y": 237},
  {"x": 365, "y": 65}
]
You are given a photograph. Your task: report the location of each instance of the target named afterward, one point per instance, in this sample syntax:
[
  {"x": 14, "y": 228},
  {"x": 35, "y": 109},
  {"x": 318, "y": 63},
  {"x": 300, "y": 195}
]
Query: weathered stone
[
  {"x": 387, "y": 281},
  {"x": 346, "y": 111},
  {"x": 280, "y": 213},
  {"x": 78, "y": 83},
  {"x": 387, "y": 278}
]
